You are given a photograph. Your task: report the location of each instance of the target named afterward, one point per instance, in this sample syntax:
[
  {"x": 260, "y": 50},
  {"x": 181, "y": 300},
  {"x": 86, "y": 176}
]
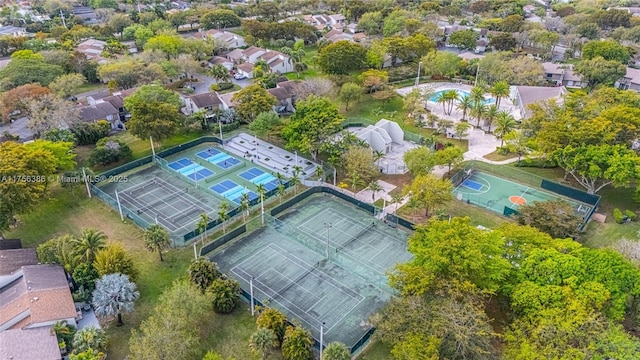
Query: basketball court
[{"x": 496, "y": 194}]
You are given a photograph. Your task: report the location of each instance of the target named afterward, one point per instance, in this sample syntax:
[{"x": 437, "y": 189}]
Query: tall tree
[
  {"x": 203, "y": 272},
  {"x": 505, "y": 123},
  {"x": 419, "y": 160},
  {"x": 315, "y": 120},
  {"x": 598, "y": 71},
  {"x": 67, "y": 85},
  {"x": 556, "y": 218},
  {"x": 114, "y": 294},
  {"x": 157, "y": 238},
  {"x": 252, "y": 101},
  {"x": 597, "y": 166},
  {"x": 359, "y": 160},
  {"x": 115, "y": 259},
  {"x": 336, "y": 351},
  {"x": 172, "y": 329},
  {"x": 49, "y": 112},
  {"x": 349, "y": 92},
  {"x": 500, "y": 90},
  {"x": 17, "y": 99},
  {"x": 297, "y": 343},
  {"x": 224, "y": 295},
  {"x": 262, "y": 342},
  {"x": 155, "y": 112},
  {"x": 341, "y": 57},
  {"x": 430, "y": 191},
  {"x": 88, "y": 244}
]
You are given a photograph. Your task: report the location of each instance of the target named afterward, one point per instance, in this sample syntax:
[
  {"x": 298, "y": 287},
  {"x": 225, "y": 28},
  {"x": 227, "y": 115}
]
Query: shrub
[
  {"x": 297, "y": 344},
  {"x": 272, "y": 319},
  {"x": 536, "y": 163},
  {"x": 230, "y": 127},
  {"x": 224, "y": 295},
  {"x": 215, "y": 87},
  {"x": 630, "y": 215},
  {"x": 90, "y": 133},
  {"x": 108, "y": 151},
  {"x": 57, "y": 135},
  {"x": 617, "y": 216},
  {"x": 225, "y": 86}
]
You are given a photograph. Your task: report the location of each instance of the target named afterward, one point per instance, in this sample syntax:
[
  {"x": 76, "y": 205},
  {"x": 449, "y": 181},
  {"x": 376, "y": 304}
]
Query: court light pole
[
  {"x": 262, "y": 207},
  {"x": 321, "y": 338},
  {"x": 119, "y": 206},
  {"x": 251, "y": 294},
  {"x": 327, "y": 226},
  {"x": 220, "y": 126},
  {"x": 418, "y": 77}
]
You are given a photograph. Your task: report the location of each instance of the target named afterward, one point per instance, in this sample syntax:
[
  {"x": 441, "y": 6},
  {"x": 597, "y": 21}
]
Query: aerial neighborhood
[{"x": 319, "y": 179}]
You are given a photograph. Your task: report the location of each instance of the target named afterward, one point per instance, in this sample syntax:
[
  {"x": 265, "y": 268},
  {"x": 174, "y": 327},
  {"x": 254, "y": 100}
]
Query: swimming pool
[{"x": 461, "y": 94}]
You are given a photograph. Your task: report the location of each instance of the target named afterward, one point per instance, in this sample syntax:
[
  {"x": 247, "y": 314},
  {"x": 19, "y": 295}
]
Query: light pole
[
  {"x": 477, "y": 72},
  {"x": 418, "y": 77},
  {"x": 220, "y": 127},
  {"x": 251, "y": 293},
  {"x": 321, "y": 338},
  {"x": 384, "y": 202},
  {"x": 327, "y": 226}
]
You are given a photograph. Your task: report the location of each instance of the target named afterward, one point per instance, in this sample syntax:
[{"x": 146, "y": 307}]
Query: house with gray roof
[
  {"x": 13, "y": 260},
  {"x": 562, "y": 75},
  {"x": 523, "y": 96},
  {"x": 209, "y": 102},
  {"x": 29, "y": 344},
  {"x": 101, "y": 111},
  {"x": 631, "y": 80}
]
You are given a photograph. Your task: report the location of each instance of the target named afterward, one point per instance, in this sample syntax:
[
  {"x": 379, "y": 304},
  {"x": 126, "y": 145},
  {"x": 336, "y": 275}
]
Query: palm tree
[
  {"x": 374, "y": 187},
  {"x": 355, "y": 181},
  {"x": 114, "y": 294},
  {"x": 219, "y": 73},
  {"x": 479, "y": 111},
  {"x": 452, "y": 96},
  {"x": 224, "y": 295},
  {"x": 396, "y": 199},
  {"x": 203, "y": 272},
  {"x": 465, "y": 104},
  {"x": 245, "y": 204},
  {"x": 202, "y": 229},
  {"x": 490, "y": 116},
  {"x": 336, "y": 351},
  {"x": 500, "y": 90},
  {"x": 262, "y": 191},
  {"x": 442, "y": 99},
  {"x": 296, "y": 178},
  {"x": 223, "y": 215},
  {"x": 299, "y": 67},
  {"x": 281, "y": 191},
  {"x": 262, "y": 64},
  {"x": 64, "y": 334},
  {"x": 320, "y": 173},
  {"x": 156, "y": 238},
  {"x": 505, "y": 123},
  {"x": 90, "y": 338},
  {"x": 263, "y": 341},
  {"x": 377, "y": 156},
  {"x": 87, "y": 246}
]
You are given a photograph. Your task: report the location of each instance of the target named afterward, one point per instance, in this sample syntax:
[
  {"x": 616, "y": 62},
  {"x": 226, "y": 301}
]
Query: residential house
[
  {"x": 14, "y": 31},
  {"x": 562, "y": 74},
  {"x": 35, "y": 296},
  {"x": 210, "y": 102},
  {"x": 279, "y": 63},
  {"x": 13, "y": 260},
  {"x": 117, "y": 100},
  {"x": 87, "y": 15},
  {"x": 285, "y": 100},
  {"x": 92, "y": 49},
  {"x": 252, "y": 53},
  {"x": 235, "y": 55},
  {"x": 219, "y": 60},
  {"x": 29, "y": 344},
  {"x": 102, "y": 111},
  {"x": 631, "y": 81},
  {"x": 523, "y": 96},
  {"x": 245, "y": 69},
  {"x": 225, "y": 39},
  {"x": 246, "y": 59}
]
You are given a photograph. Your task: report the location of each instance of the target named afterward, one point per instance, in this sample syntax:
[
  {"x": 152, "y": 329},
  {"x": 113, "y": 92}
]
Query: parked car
[{"x": 239, "y": 76}]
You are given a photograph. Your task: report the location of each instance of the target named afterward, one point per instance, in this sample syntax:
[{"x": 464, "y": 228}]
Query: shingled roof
[
  {"x": 12, "y": 260},
  {"x": 30, "y": 344},
  {"x": 206, "y": 99}
]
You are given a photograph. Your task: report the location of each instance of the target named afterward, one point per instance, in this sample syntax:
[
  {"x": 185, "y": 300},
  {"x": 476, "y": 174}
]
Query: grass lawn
[
  {"x": 374, "y": 110},
  {"x": 375, "y": 351},
  {"x": 141, "y": 148},
  {"x": 70, "y": 212},
  {"x": 89, "y": 87},
  {"x": 495, "y": 156}
]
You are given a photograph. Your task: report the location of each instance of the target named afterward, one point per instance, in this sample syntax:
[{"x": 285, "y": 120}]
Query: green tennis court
[
  {"x": 322, "y": 260},
  {"x": 505, "y": 196}
]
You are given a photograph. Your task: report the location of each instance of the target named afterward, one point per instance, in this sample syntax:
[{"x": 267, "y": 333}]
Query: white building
[{"x": 382, "y": 135}]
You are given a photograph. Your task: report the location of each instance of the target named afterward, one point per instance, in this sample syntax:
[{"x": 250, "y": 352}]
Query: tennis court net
[{"x": 359, "y": 235}]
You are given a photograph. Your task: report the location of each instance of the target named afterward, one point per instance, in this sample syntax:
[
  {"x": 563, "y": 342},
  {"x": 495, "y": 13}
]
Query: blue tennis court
[
  {"x": 470, "y": 184},
  {"x": 232, "y": 191},
  {"x": 251, "y": 174},
  {"x": 228, "y": 162},
  {"x": 205, "y": 154},
  {"x": 200, "y": 174},
  {"x": 179, "y": 164}
]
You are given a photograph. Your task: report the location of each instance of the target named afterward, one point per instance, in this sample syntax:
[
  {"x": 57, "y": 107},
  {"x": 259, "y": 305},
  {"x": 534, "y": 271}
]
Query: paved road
[
  {"x": 18, "y": 127},
  {"x": 205, "y": 82}
]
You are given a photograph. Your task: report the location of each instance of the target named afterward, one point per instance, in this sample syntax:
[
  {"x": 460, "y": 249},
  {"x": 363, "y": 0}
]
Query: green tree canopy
[
  {"x": 252, "y": 101},
  {"x": 607, "y": 49},
  {"x": 341, "y": 57},
  {"x": 315, "y": 120}
]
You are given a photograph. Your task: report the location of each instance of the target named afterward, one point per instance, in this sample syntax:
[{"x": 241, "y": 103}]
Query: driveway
[
  {"x": 18, "y": 127},
  {"x": 204, "y": 83}
]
